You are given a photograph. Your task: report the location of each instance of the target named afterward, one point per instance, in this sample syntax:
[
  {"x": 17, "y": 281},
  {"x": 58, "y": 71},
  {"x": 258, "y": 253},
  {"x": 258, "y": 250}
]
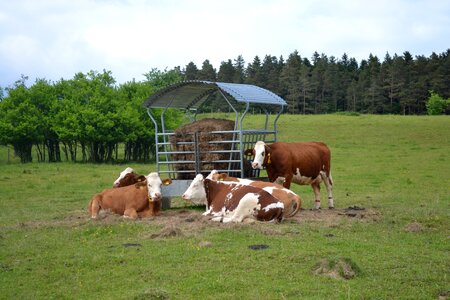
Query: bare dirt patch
[{"x": 188, "y": 221}]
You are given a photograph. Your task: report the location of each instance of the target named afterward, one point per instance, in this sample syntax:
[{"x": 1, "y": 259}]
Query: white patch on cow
[
  {"x": 273, "y": 206},
  {"x": 228, "y": 197},
  {"x": 223, "y": 212},
  {"x": 196, "y": 191},
  {"x": 154, "y": 184},
  {"x": 123, "y": 174},
  {"x": 299, "y": 179},
  {"x": 247, "y": 207},
  {"x": 208, "y": 211},
  {"x": 213, "y": 172},
  {"x": 259, "y": 155},
  {"x": 245, "y": 181},
  {"x": 269, "y": 189}
]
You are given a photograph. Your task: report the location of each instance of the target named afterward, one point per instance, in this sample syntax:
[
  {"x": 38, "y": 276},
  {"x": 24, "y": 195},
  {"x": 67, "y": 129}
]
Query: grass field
[{"x": 398, "y": 247}]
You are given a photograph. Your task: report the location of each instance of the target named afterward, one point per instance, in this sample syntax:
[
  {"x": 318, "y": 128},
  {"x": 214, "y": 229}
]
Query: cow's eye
[{"x": 262, "y": 153}]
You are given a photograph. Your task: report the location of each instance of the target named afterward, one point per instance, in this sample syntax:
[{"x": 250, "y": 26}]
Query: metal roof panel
[{"x": 192, "y": 94}]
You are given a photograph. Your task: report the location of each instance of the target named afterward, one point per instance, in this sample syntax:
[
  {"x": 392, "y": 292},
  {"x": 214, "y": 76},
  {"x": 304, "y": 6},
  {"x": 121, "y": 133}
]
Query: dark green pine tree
[
  {"x": 239, "y": 66},
  {"x": 253, "y": 72},
  {"x": 207, "y": 72},
  {"x": 226, "y": 72},
  {"x": 291, "y": 82},
  {"x": 191, "y": 72}
]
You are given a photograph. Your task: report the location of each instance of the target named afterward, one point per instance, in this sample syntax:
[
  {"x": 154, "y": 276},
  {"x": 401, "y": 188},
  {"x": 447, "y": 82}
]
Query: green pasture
[{"x": 396, "y": 167}]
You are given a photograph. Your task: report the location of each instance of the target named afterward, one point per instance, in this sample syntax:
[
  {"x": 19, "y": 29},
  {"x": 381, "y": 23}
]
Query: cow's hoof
[{"x": 331, "y": 207}]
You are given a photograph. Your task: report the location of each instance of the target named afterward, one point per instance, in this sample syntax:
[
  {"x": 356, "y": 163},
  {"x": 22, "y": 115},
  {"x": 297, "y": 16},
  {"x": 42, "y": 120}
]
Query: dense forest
[{"x": 89, "y": 117}]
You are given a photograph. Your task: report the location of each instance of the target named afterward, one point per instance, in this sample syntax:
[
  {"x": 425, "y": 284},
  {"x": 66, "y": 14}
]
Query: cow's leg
[
  {"x": 287, "y": 180},
  {"x": 145, "y": 213},
  {"x": 316, "y": 189},
  {"x": 329, "y": 185},
  {"x": 130, "y": 213},
  {"x": 245, "y": 209}
]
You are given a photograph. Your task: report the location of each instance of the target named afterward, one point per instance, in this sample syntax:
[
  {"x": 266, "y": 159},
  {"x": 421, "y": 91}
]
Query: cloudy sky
[{"x": 55, "y": 39}]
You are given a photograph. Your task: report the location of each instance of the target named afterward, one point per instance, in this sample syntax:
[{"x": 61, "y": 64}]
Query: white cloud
[{"x": 55, "y": 39}]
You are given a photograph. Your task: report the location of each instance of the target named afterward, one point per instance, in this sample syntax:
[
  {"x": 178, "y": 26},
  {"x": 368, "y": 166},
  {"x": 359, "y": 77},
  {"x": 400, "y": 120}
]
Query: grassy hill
[{"x": 387, "y": 239}]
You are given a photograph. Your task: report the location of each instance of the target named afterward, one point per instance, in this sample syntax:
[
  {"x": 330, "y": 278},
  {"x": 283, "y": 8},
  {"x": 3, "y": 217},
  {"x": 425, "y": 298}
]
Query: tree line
[
  {"x": 86, "y": 118},
  {"x": 400, "y": 84},
  {"x": 91, "y": 118}
]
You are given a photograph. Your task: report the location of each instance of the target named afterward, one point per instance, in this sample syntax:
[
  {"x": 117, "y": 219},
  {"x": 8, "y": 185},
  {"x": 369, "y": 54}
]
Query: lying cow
[
  {"x": 233, "y": 202},
  {"x": 291, "y": 201},
  {"x": 143, "y": 199},
  {"x": 128, "y": 177},
  {"x": 301, "y": 163}
]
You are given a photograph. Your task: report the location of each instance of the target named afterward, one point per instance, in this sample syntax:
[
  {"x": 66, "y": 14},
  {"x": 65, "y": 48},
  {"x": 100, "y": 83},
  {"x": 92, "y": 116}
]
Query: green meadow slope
[{"x": 388, "y": 237}]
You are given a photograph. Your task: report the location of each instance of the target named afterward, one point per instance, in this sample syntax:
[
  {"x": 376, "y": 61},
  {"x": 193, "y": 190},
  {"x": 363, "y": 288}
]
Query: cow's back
[
  {"x": 119, "y": 199},
  {"x": 308, "y": 157}
]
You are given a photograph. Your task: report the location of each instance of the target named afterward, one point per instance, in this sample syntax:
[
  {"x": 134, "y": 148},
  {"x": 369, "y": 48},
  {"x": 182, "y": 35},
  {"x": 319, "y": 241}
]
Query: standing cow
[
  {"x": 142, "y": 199},
  {"x": 301, "y": 163}
]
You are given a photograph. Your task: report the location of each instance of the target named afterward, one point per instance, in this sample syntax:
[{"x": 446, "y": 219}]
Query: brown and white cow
[
  {"x": 233, "y": 202},
  {"x": 128, "y": 177},
  {"x": 291, "y": 201},
  {"x": 143, "y": 199},
  {"x": 302, "y": 163}
]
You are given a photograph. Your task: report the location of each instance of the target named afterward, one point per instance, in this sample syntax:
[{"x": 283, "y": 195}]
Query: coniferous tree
[
  {"x": 291, "y": 81},
  {"x": 239, "y": 66},
  {"x": 191, "y": 72},
  {"x": 207, "y": 72},
  {"x": 226, "y": 72}
]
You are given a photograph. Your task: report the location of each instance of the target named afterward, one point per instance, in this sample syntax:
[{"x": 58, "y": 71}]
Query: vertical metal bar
[
  {"x": 156, "y": 138},
  {"x": 240, "y": 138},
  {"x": 233, "y": 144},
  {"x": 275, "y": 122},
  {"x": 197, "y": 154},
  {"x": 166, "y": 147}
]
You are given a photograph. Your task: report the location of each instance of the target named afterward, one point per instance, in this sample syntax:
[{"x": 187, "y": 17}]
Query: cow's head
[
  {"x": 122, "y": 175},
  {"x": 154, "y": 184},
  {"x": 260, "y": 155},
  {"x": 196, "y": 192}
]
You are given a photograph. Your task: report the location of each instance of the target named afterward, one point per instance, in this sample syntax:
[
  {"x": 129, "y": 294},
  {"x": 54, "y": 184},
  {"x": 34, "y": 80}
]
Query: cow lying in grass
[
  {"x": 232, "y": 201},
  {"x": 142, "y": 199},
  {"x": 291, "y": 201},
  {"x": 128, "y": 177}
]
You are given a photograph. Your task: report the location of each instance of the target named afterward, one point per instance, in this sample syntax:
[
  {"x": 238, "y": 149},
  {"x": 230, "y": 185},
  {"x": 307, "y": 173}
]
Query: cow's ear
[
  {"x": 140, "y": 184},
  {"x": 141, "y": 178},
  {"x": 249, "y": 152},
  {"x": 222, "y": 176},
  {"x": 167, "y": 181}
]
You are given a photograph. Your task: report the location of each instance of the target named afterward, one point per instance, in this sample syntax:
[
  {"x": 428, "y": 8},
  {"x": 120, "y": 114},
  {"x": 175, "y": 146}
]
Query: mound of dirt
[
  {"x": 339, "y": 268},
  {"x": 414, "y": 227}
]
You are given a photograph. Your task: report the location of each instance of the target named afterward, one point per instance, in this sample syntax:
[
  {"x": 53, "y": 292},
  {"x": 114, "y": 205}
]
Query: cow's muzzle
[{"x": 256, "y": 165}]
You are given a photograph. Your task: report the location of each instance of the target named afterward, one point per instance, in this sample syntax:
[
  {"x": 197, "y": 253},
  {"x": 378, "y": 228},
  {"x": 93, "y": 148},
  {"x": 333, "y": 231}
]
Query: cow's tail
[
  {"x": 94, "y": 206},
  {"x": 297, "y": 207}
]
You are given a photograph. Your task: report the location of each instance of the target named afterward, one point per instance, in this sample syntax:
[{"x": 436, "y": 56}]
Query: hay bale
[{"x": 202, "y": 129}]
